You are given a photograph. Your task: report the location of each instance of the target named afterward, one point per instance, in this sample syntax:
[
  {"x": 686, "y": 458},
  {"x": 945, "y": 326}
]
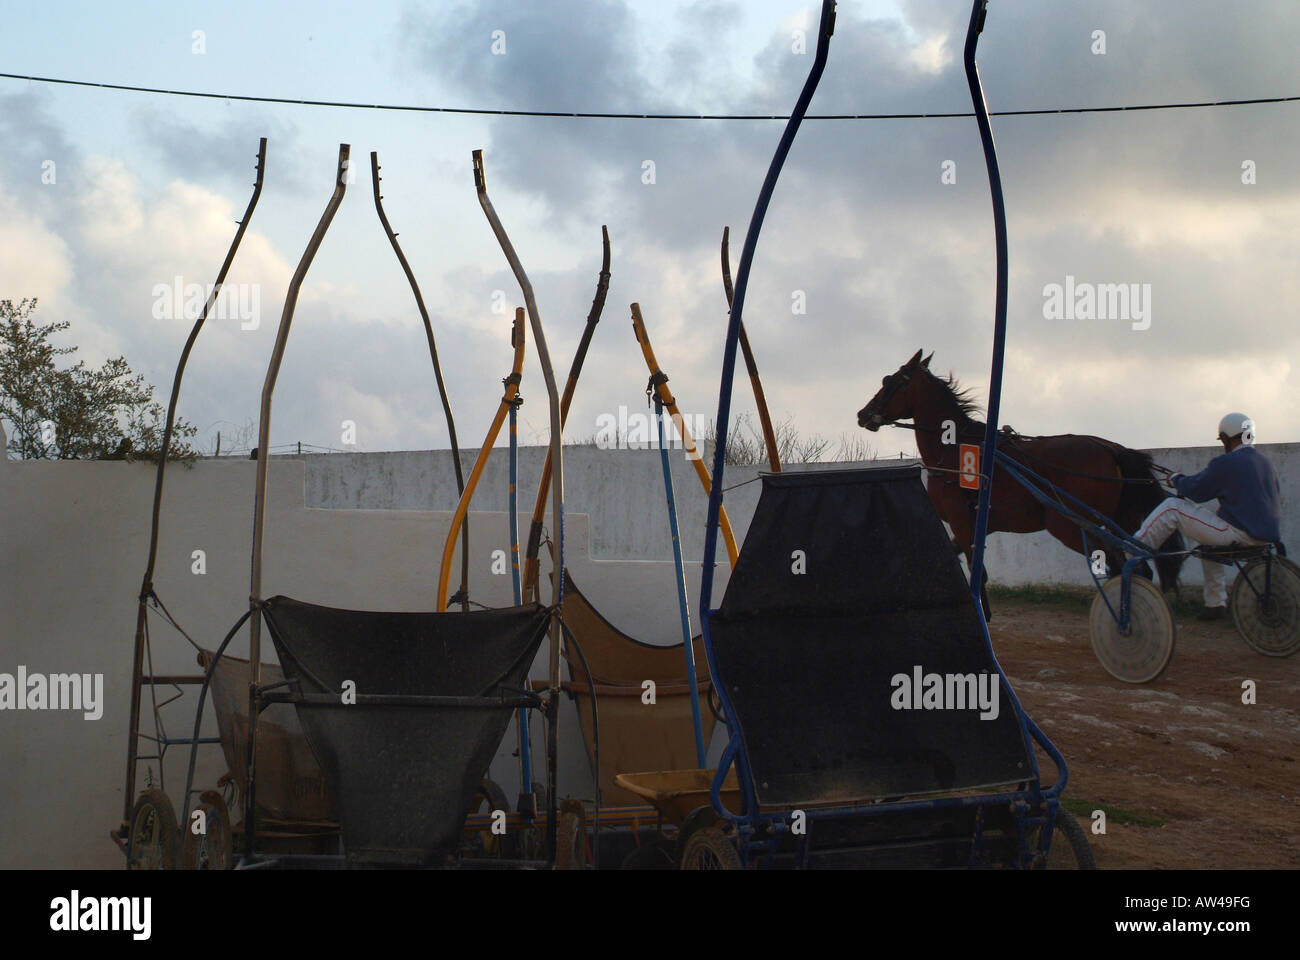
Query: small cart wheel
[
  {"x": 571, "y": 836},
  {"x": 485, "y": 843},
  {"x": 154, "y": 840},
  {"x": 697, "y": 819},
  {"x": 1142, "y": 654},
  {"x": 710, "y": 849},
  {"x": 1271, "y": 625},
  {"x": 1074, "y": 853},
  {"x": 213, "y": 848},
  {"x": 489, "y": 792}
]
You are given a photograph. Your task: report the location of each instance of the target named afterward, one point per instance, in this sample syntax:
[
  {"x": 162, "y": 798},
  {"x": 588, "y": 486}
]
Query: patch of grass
[
  {"x": 1079, "y": 598},
  {"x": 1082, "y": 809}
]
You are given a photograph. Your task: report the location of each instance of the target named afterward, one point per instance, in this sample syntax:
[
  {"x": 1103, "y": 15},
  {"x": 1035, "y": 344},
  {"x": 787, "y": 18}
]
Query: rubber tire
[
  {"x": 486, "y": 844},
  {"x": 166, "y": 831},
  {"x": 490, "y": 792},
  {"x": 1069, "y": 829},
  {"x": 710, "y": 844},
  {"x": 697, "y": 819},
  {"x": 1243, "y": 599},
  {"x": 1151, "y": 625},
  {"x": 220, "y": 841}
]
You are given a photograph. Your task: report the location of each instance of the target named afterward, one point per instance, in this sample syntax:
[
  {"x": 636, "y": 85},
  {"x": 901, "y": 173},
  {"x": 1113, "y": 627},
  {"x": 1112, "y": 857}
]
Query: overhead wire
[{"x": 609, "y": 115}]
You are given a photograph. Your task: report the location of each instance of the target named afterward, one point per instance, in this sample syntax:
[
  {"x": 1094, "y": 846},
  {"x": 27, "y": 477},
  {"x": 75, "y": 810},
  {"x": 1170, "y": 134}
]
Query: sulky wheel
[
  {"x": 1142, "y": 654},
  {"x": 489, "y": 798},
  {"x": 212, "y": 849},
  {"x": 1070, "y": 849},
  {"x": 1269, "y": 625},
  {"x": 154, "y": 840},
  {"x": 571, "y": 836},
  {"x": 710, "y": 849}
]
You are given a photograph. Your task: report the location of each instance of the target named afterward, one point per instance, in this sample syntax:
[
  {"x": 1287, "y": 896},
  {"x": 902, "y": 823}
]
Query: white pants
[{"x": 1200, "y": 525}]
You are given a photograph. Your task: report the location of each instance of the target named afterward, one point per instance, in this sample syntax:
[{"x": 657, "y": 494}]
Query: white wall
[{"x": 362, "y": 530}]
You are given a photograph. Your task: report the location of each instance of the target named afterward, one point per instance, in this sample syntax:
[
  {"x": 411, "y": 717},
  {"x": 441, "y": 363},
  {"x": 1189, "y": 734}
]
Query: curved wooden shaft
[
  {"x": 146, "y": 584},
  {"x": 480, "y": 462},
  {"x": 557, "y": 495},
  {"x": 532, "y": 568},
  {"x": 259, "y": 492},
  {"x": 660, "y": 381},
  {"x": 760, "y": 400},
  {"x": 437, "y": 368}
]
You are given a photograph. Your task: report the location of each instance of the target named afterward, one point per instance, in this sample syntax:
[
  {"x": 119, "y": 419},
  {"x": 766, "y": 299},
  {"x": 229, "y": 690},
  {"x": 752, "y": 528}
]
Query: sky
[{"x": 1198, "y": 208}]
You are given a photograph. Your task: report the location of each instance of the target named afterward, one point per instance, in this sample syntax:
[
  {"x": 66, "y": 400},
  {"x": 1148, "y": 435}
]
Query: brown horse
[{"x": 1112, "y": 479}]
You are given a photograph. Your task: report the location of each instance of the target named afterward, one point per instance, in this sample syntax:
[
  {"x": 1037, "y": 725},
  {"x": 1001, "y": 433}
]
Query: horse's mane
[{"x": 962, "y": 396}]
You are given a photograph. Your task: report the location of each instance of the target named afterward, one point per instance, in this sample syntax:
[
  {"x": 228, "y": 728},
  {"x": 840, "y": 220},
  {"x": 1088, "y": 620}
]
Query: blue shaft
[
  {"x": 749, "y": 794},
  {"x": 525, "y": 747},
  {"x": 514, "y": 504},
  {"x": 701, "y": 748},
  {"x": 738, "y": 305},
  {"x": 987, "y": 462}
]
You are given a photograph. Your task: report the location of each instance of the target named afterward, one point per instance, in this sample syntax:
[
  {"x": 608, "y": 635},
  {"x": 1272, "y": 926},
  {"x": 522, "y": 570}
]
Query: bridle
[{"x": 893, "y": 383}]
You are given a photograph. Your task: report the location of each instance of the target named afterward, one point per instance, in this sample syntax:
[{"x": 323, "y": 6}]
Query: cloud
[{"x": 888, "y": 256}]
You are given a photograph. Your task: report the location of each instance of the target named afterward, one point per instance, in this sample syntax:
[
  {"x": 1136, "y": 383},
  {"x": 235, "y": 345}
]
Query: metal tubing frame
[
  {"x": 750, "y": 817},
  {"x": 198, "y": 716},
  {"x": 437, "y": 369},
  {"x": 146, "y": 584},
  {"x": 525, "y": 741},
  {"x": 760, "y": 399},
  {"x": 659, "y": 380},
  {"x": 259, "y": 501},
  {"x": 557, "y": 491},
  {"x": 736, "y": 750},
  {"x": 532, "y": 569},
  {"x": 515, "y": 581},
  {"x": 701, "y": 748},
  {"x": 517, "y": 340}
]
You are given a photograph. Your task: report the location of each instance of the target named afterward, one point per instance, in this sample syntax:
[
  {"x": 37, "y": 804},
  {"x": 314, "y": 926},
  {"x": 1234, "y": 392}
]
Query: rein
[{"x": 1012, "y": 440}]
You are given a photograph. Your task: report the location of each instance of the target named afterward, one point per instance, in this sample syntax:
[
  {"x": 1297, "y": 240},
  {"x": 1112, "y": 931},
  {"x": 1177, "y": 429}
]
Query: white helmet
[{"x": 1237, "y": 424}]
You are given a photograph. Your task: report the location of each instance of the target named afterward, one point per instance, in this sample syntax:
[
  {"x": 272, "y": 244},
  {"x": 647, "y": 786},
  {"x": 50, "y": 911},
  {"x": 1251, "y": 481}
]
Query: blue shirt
[{"x": 1247, "y": 488}]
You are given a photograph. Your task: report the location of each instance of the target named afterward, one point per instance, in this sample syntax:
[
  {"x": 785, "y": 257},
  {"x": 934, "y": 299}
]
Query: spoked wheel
[
  {"x": 710, "y": 849},
  {"x": 154, "y": 840},
  {"x": 1269, "y": 625},
  {"x": 571, "y": 837},
  {"x": 1070, "y": 849},
  {"x": 212, "y": 849},
  {"x": 1142, "y": 654}
]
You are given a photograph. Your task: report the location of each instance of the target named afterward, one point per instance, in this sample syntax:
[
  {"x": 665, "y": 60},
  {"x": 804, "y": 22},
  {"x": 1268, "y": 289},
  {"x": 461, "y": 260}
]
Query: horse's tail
[{"x": 1139, "y": 499}]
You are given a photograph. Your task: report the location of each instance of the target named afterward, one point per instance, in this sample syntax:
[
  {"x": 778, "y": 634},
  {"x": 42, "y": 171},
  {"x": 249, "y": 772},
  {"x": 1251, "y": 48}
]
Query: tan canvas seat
[{"x": 635, "y": 736}]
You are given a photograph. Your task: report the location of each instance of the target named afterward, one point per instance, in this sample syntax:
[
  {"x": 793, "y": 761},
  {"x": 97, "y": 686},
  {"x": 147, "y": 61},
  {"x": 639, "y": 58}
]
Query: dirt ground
[{"x": 1224, "y": 777}]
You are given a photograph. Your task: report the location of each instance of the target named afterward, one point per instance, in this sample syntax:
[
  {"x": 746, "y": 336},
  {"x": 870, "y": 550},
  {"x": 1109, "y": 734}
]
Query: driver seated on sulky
[{"x": 1249, "y": 495}]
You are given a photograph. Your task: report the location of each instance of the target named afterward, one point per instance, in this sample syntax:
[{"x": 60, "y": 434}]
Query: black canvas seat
[
  {"x": 404, "y": 773},
  {"x": 846, "y": 583}
]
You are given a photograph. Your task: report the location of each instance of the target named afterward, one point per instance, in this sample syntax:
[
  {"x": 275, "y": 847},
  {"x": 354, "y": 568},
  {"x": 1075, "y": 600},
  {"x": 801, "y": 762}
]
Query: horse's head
[{"x": 893, "y": 401}]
